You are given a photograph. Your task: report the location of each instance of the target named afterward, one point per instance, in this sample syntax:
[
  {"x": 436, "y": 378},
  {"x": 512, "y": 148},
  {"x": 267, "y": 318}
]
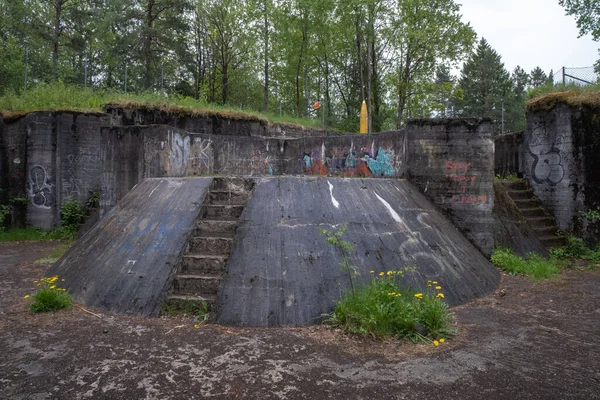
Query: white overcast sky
[{"x": 530, "y": 33}]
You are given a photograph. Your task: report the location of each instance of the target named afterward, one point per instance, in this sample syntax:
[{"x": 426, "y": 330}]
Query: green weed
[
  {"x": 31, "y": 234},
  {"x": 55, "y": 254},
  {"x": 186, "y": 307},
  {"x": 50, "y": 297},
  {"x": 533, "y": 265}
]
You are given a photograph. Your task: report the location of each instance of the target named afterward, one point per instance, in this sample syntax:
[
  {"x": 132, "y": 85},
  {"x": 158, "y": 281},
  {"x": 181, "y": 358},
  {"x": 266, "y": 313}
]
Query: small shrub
[
  {"x": 199, "y": 311},
  {"x": 50, "y": 297},
  {"x": 345, "y": 248},
  {"x": 4, "y": 213},
  {"x": 94, "y": 200},
  {"x": 533, "y": 265},
  {"x": 71, "y": 214},
  {"x": 382, "y": 308}
]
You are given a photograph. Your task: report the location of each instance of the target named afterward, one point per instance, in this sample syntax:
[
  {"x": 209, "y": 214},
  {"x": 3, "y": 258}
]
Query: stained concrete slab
[
  {"x": 126, "y": 262},
  {"x": 282, "y": 273}
]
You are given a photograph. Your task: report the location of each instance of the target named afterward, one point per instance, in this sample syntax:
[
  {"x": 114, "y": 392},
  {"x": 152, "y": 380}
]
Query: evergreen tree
[
  {"x": 486, "y": 85},
  {"x": 538, "y": 77}
]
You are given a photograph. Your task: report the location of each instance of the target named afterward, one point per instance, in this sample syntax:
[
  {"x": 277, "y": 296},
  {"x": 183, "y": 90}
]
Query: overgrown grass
[
  {"x": 62, "y": 97},
  {"x": 546, "y": 97},
  {"x": 576, "y": 249},
  {"x": 533, "y": 265},
  {"x": 199, "y": 311},
  {"x": 382, "y": 308},
  {"x": 55, "y": 254},
  {"x": 49, "y": 297},
  {"x": 32, "y": 234}
]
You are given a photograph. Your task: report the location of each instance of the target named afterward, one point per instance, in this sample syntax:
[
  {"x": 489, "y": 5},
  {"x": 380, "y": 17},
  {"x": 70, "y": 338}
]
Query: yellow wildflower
[
  {"x": 398, "y": 294},
  {"x": 442, "y": 340},
  {"x": 372, "y": 271},
  {"x": 440, "y": 295},
  {"x": 26, "y": 296},
  {"x": 435, "y": 282},
  {"x": 196, "y": 326},
  {"x": 438, "y": 287},
  {"x": 428, "y": 281},
  {"x": 389, "y": 273},
  {"x": 52, "y": 287},
  {"x": 381, "y": 274},
  {"x": 429, "y": 285},
  {"x": 63, "y": 279},
  {"x": 436, "y": 343},
  {"x": 419, "y": 295}
]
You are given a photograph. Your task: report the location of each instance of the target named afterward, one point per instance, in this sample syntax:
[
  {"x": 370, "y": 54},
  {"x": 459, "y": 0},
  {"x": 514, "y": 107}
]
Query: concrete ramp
[
  {"x": 126, "y": 262},
  {"x": 281, "y": 271}
]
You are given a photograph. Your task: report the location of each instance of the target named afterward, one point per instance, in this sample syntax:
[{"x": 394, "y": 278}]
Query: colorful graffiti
[{"x": 364, "y": 162}]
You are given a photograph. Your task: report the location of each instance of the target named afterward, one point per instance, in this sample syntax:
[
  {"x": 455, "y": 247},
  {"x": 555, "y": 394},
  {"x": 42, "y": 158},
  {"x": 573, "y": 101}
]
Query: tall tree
[
  {"x": 538, "y": 77},
  {"x": 486, "y": 85}
]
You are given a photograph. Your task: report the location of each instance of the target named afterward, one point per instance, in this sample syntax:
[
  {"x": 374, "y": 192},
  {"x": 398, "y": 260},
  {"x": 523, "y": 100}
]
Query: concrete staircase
[
  {"x": 203, "y": 266},
  {"x": 535, "y": 215}
]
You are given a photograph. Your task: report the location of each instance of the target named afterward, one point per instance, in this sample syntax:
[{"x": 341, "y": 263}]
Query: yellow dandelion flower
[
  {"x": 438, "y": 287},
  {"x": 428, "y": 281},
  {"x": 391, "y": 294},
  {"x": 419, "y": 295},
  {"x": 39, "y": 284},
  {"x": 196, "y": 326},
  {"x": 440, "y": 295},
  {"x": 442, "y": 340},
  {"x": 36, "y": 281},
  {"x": 381, "y": 274},
  {"x": 436, "y": 343},
  {"x": 398, "y": 294},
  {"x": 52, "y": 287},
  {"x": 62, "y": 280},
  {"x": 429, "y": 285},
  {"x": 26, "y": 296},
  {"x": 435, "y": 282},
  {"x": 372, "y": 271}
]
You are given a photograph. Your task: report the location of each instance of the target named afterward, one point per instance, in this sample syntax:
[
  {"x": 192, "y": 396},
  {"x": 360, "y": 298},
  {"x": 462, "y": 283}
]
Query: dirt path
[{"x": 537, "y": 342}]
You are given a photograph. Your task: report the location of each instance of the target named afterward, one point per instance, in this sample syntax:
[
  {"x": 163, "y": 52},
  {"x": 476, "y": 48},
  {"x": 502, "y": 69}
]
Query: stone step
[
  {"x": 520, "y": 194},
  {"x": 215, "y": 228},
  {"x": 190, "y": 304},
  {"x": 546, "y": 231},
  {"x": 517, "y": 185},
  {"x": 533, "y": 202},
  {"x": 533, "y": 212},
  {"x": 540, "y": 222},
  {"x": 226, "y": 197},
  {"x": 200, "y": 264},
  {"x": 197, "y": 285},
  {"x": 210, "y": 246},
  {"x": 232, "y": 184},
  {"x": 553, "y": 241},
  {"x": 222, "y": 212}
]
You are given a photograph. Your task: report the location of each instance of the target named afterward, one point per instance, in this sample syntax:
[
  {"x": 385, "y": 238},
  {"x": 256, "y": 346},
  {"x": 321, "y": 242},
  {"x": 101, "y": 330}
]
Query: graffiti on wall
[
  {"x": 82, "y": 170},
  {"x": 39, "y": 187},
  {"x": 189, "y": 154},
  {"x": 461, "y": 185},
  {"x": 364, "y": 162},
  {"x": 545, "y": 150}
]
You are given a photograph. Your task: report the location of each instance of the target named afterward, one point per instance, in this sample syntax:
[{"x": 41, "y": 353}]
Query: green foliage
[
  {"x": 50, "y": 297},
  {"x": 576, "y": 249},
  {"x": 186, "y": 307},
  {"x": 533, "y": 264},
  {"x": 55, "y": 254},
  {"x": 548, "y": 88},
  {"x": 587, "y": 14},
  {"x": 71, "y": 214},
  {"x": 30, "y": 234},
  {"x": 93, "y": 200},
  {"x": 5, "y": 211},
  {"x": 382, "y": 308},
  {"x": 345, "y": 248}
]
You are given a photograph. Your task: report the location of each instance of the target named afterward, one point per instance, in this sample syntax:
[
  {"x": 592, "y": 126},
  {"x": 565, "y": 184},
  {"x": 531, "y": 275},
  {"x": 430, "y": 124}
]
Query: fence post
[{"x": 563, "y": 73}]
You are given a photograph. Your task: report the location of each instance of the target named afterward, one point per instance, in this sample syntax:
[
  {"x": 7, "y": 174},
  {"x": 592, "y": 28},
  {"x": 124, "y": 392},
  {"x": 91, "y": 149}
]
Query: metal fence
[{"x": 579, "y": 76}]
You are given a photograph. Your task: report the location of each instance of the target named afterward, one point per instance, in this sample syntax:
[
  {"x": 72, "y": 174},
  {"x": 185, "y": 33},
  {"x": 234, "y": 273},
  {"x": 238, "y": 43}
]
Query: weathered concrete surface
[
  {"x": 511, "y": 230},
  {"x": 508, "y": 154},
  {"x": 281, "y": 272},
  {"x": 126, "y": 263},
  {"x": 452, "y": 162},
  {"x": 536, "y": 342}
]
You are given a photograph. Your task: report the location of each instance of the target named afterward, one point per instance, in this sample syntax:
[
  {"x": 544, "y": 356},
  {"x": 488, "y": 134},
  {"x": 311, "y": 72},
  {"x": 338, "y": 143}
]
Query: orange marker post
[{"x": 364, "y": 119}]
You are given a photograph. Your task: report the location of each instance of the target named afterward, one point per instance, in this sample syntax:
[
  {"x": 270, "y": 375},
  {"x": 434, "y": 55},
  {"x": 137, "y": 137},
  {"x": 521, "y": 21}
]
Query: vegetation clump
[
  {"x": 533, "y": 264},
  {"x": 571, "y": 95},
  {"x": 49, "y": 296}
]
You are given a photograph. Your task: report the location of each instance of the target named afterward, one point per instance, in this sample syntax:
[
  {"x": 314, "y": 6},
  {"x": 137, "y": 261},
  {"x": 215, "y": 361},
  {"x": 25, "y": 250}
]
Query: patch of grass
[
  {"x": 55, "y": 254},
  {"x": 62, "y": 97},
  {"x": 382, "y": 308},
  {"x": 50, "y": 297},
  {"x": 31, "y": 234},
  {"x": 576, "y": 249},
  {"x": 508, "y": 178},
  {"x": 533, "y": 265},
  {"x": 545, "y": 98},
  {"x": 186, "y": 307}
]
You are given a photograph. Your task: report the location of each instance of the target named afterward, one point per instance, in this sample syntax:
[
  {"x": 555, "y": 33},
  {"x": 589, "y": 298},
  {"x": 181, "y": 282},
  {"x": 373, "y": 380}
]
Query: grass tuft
[
  {"x": 545, "y": 99},
  {"x": 50, "y": 297},
  {"x": 533, "y": 265},
  {"x": 32, "y": 234}
]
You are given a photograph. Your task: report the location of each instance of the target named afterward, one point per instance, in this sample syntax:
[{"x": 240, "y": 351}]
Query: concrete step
[
  {"x": 517, "y": 185},
  {"x": 190, "y": 304},
  {"x": 222, "y": 212},
  {"x": 546, "y": 231},
  {"x": 226, "y": 197},
  {"x": 540, "y": 222},
  {"x": 200, "y": 264},
  {"x": 215, "y": 228},
  {"x": 533, "y": 202},
  {"x": 196, "y": 285},
  {"x": 210, "y": 246},
  {"x": 521, "y": 194},
  {"x": 232, "y": 184},
  {"x": 533, "y": 212},
  {"x": 553, "y": 241}
]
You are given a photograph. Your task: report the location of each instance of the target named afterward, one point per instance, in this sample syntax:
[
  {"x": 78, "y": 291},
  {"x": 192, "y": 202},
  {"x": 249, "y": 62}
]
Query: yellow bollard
[{"x": 364, "y": 119}]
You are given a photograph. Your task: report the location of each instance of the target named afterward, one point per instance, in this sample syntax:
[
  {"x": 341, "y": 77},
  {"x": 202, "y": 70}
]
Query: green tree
[
  {"x": 538, "y": 77},
  {"x": 587, "y": 15},
  {"x": 486, "y": 85}
]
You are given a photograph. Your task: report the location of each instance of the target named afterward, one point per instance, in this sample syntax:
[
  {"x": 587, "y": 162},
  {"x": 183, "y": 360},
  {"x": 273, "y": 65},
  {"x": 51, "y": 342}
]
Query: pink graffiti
[
  {"x": 456, "y": 167},
  {"x": 468, "y": 199}
]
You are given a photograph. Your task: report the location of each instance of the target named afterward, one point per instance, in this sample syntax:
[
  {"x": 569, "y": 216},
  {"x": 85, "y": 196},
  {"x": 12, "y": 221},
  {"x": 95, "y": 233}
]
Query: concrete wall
[
  {"x": 508, "y": 154},
  {"x": 562, "y": 163},
  {"x": 452, "y": 162}
]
